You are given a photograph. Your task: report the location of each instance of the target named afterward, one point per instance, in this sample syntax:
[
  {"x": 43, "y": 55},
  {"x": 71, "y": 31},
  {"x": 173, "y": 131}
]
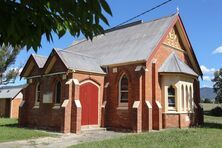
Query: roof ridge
[
  {"x": 176, "y": 57},
  {"x": 39, "y": 55},
  {"x": 78, "y": 53},
  {"x": 139, "y": 22}
]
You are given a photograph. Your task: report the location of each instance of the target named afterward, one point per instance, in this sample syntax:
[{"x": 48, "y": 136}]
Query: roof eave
[
  {"x": 181, "y": 73},
  {"x": 193, "y": 53}
]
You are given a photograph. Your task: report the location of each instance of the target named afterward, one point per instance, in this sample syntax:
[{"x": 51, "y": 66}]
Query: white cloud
[
  {"x": 207, "y": 78},
  {"x": 206, "y": 70},
  {"x": 218, "y": 50}
]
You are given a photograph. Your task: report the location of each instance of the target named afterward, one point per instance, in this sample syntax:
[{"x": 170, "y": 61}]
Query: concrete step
[{"x": 92, "y": 129}]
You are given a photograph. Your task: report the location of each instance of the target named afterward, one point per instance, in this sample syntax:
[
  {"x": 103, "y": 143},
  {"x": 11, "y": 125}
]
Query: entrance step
[{"x": 92, "y": 129}]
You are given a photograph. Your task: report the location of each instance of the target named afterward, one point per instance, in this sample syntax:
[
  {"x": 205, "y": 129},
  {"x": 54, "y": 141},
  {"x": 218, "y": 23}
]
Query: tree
[
  {"x": 218, "y": 85},
  {"x": 207, "y": 100},
  {"x": 7, "y": 58},
  {"x": 26, "y": 21}
]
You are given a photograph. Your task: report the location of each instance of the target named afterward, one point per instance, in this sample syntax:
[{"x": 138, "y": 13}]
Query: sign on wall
[{"x": 47, "y": 97}]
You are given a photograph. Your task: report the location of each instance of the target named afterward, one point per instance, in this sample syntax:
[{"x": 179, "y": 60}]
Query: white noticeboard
[{"x": 47, "y": 98}]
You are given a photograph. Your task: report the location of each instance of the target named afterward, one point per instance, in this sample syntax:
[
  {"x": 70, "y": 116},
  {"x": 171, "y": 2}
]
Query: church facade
[{"x": 141, "y": 76}]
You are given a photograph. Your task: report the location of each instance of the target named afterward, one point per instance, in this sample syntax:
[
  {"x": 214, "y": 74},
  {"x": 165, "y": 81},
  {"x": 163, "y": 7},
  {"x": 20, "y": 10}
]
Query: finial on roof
[{"x": 178, "y": 10}]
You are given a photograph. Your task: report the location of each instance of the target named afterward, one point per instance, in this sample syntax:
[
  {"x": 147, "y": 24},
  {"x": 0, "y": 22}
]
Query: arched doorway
[{"x": 89, "y": 101}]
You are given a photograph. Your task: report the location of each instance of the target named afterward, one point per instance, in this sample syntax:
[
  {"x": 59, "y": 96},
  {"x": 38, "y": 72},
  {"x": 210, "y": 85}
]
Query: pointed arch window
[
  {"x": 171, "y": 97},
  {"x": 58, "y": 93},
  {"x": 123, "y": 89},
  {"x": 37, "y": 94}
]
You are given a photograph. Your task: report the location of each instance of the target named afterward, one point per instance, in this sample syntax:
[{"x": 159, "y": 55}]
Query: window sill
[
  {"x": 122, "y": 108},
  {"x": 36, "y": 106},
  {"x": 176, "y": 112},
  {"x": 56, "y": 106}
]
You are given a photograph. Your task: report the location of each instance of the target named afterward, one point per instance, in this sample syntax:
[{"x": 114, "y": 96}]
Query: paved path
[{"x": 63, "y": 140}]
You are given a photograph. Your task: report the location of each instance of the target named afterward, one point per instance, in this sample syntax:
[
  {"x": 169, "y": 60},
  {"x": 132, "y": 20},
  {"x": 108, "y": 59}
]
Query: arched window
[
  {"x": 182, "y": 101},
  {"x": 58, "y": 93},
  {"x": 37, "y": 93},
  {"x": 171, "y": 97},
  {"x": 123, "y": 89}
]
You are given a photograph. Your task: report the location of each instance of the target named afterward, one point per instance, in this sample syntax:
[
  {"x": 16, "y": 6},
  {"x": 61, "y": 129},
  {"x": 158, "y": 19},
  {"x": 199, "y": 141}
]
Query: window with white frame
[
  {"x": 58, "y": 93},
  {"x": 37, "y": 94},
  {"x": 171, "y": 97},
  {"x": 123, "y": 89}
]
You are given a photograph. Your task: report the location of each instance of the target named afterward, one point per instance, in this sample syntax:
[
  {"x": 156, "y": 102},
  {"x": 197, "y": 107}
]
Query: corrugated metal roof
[
  {"x": 130, "y": 44},
  {"x": 9, "y": 92},
  {"x": 81, "y": 62},
  {"x": 174, "y": 65},
  {"x": 40, "y": 60}
]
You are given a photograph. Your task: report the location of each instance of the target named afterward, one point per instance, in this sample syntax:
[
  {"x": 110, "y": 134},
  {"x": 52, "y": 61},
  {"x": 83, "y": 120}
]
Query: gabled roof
[
  {"x": 9, "y": 92},
  {"x": 174, "y": 65},
  {"x": 40, "y": 60},
  {"x": 33, "y": 59},
  {"x": 80, "y": 62},
  {"x": 128, "y": 44}
]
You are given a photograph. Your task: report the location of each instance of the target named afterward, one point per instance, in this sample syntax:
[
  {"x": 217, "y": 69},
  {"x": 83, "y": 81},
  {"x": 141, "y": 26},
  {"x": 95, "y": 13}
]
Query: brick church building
[{"x": 140, "y": 76}]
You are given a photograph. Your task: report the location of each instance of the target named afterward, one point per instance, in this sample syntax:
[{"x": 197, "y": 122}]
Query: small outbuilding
[{"x": 10, "y": 99}]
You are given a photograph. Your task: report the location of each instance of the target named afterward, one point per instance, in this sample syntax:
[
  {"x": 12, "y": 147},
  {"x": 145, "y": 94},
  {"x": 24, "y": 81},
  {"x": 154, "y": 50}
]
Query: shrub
[
  {"x": 206, "y": 100},
  {"x": 217, "y": 111}
]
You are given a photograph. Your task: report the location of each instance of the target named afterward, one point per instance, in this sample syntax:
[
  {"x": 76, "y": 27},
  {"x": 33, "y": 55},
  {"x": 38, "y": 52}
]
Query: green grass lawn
[
  {"x": 9, "y": 131},
  {"x": 210, "y": 135}
]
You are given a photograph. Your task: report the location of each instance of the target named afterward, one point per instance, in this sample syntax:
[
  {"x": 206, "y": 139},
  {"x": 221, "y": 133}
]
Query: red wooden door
[{"x": 89, "y": 102}]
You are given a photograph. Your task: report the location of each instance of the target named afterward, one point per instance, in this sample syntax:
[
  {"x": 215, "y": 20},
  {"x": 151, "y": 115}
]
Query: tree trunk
[{"x": 0, "y": 78}]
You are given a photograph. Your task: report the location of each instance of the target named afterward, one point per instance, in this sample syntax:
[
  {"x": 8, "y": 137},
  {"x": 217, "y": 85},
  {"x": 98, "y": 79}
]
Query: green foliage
[
  {"x": 206, "y": 100},
  {"x": 25, "y": 21},
  {"x": 217, "y": 111},
  {"x": 7, "y": 58},
  {"x": 218, "y": 85}
]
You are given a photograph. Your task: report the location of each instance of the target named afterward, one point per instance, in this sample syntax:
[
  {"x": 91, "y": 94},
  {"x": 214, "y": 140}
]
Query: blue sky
[{"x": 202, "y": 20}]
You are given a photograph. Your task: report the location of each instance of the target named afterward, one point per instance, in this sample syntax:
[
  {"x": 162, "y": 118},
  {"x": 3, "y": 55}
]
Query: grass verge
[{"x": 9, "y": 131}]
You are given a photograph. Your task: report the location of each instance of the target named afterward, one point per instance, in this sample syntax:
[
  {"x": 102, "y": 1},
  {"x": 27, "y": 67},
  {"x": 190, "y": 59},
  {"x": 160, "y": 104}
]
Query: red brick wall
[
  {"x": 178, "y": 120},
  {"x": 15, "y": 107},
  {"x": 46, "y": 116},
  {"x": 116, "y": 117},
  {"x": 153, "y": 81}
]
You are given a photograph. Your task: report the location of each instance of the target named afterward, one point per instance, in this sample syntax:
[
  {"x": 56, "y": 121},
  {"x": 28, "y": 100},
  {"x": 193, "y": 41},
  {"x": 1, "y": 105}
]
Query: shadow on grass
[
  {"x": 10, "y": 125},
  {"x": 212, "y": 125},
  {"x": 208, "y": 113}
]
